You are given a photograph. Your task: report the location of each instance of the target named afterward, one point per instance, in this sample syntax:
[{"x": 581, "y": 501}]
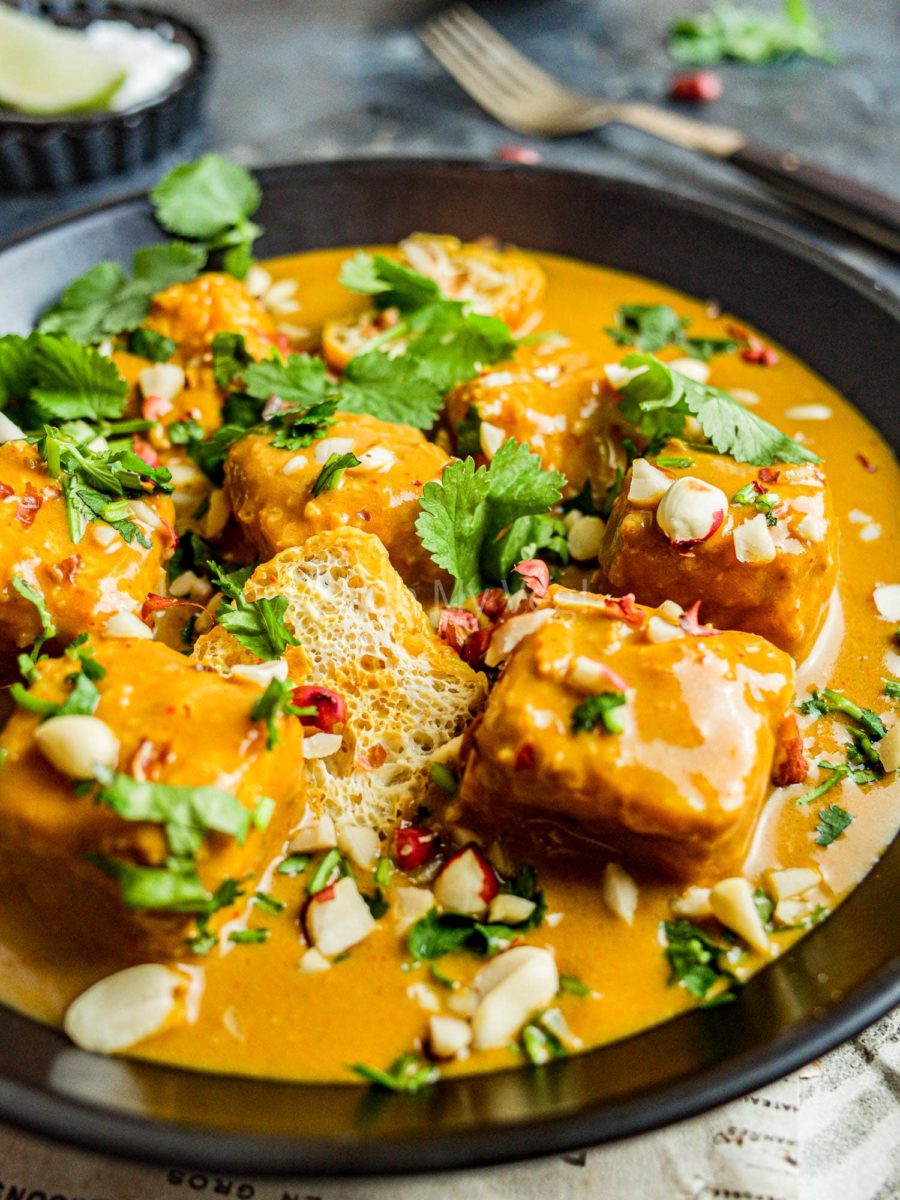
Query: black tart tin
[
  {"x": 60, "y": 152},
  {"x": 842, "y": 976}
]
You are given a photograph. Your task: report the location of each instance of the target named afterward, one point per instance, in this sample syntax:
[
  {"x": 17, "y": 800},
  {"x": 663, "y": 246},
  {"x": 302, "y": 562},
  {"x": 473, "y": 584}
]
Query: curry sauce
[{"x": 254, "y": 1011}]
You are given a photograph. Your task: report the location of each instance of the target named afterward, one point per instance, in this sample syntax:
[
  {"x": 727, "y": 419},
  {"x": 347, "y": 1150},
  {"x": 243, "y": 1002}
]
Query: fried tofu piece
[
  {"x": 82, "y": 585},
  {"x": 497, "y": 281},
  {"x": 191, "y": 314},
  {"x": 271, "y": 490},
  {"x": 676, "y": 780},
  {"x": 364, "y": 636},
  {"x": 556, "y": 399},
  {"x": 176, "y": 725},
  {"x": 769, "y": 567}
]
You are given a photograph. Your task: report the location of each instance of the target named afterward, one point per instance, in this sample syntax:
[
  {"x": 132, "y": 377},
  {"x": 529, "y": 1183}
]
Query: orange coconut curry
[{"x": 425, "y": 660}]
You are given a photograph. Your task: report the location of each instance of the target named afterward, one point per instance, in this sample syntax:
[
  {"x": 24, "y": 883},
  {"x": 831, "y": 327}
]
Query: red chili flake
[
  {"x": 331, "y": 707},
  {"x": 455, "y": 625},
  {"x": 768, "y": 474},
  {"x": 690, "y": 622},
  {"x": 69, "y": 567},
  {"x": 536, "y": 574},
  {"x": 144, "y": 451},
  {"x": 492, "y": 603},
  {"x": 525, "y": 759},
  {"x": 759, "y": 488},
  {"x": 625, "y": 610},
  {"x": 697, "y": 86},
  {"x": 5, "y": 491},
  {"x": 614, "y": 677},
  {"x": 171, "y": 538},
  {"x": 326, "y": 894},
  {"x": 29, "y": 506},
  {"x": 413, "y": 846},
  {"x": 283, "y": 342},
  {"x": 759, "y": 355},
  {"x": 155, "y": 407},
  {"x": 475, "y": 646},
  {"x": 739, "y": 332},
  {"x": 154, "y": 604},
  {"x": 791, "y": 764},
  {"x": 860, "y": 458},
  {"x": 364, "y": 514},
  {"x": 509, "y": 152},
  {"x": 371, "y": 759},
  {"x": 149, "y": 759}
]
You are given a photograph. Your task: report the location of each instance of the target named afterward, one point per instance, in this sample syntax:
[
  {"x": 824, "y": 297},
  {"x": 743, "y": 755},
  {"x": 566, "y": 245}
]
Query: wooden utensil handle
[{"x": 865, "y": 211}]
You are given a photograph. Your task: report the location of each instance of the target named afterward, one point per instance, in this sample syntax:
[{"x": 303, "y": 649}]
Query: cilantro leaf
[
  {"x": 408, "y": 1073},
  {"x": 187, "y": 814},
  {"x": 104, "y": 301},
  {"x": 455, "y": 344},
  {"x": 276, "y": 701},
  {"x": 297, "y": 381},
  {"x": 392, "y": 389},
  {"x": 730, "y": 31},
  {"x": 16, "y": 367},
  {"x": 230, "y": 582},
  {"x": 145, "y": 343},
  {"x": 259, "y": 625},
  {"x": 210, "y": 200},
  {"x": 33, "y": 596},
  {"x": 444, "y": 343},
  {"x": 97, "y": 483},
  {"x": 647, "y": 326},
  {"x": 650, "y": 327},
  {"x": 331, "y": 474},
  {"x": 599, "y": 710},
  {"x": 465, "y": 512},
  {"x": 176, "y": 887},
  {"x": 390, "y": 283},
  {"x": 693, "y": 960},
  {"x": 71, "y": 380},
  {"x": 830, "y": 701},
  {"x": 230, "y": 358},
  {"x": 833, "y": 820},
  {"x": 659, "y": 398}
]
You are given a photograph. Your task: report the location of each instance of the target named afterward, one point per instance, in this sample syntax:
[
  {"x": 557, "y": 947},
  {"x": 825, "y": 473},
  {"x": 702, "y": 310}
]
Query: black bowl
[
  {"x": 61, "y": 151},
  {"x": 832, "y": 984}
]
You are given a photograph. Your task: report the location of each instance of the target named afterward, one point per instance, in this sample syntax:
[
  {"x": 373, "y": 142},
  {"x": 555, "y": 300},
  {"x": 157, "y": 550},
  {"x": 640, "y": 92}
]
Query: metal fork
[{"x": 520, "y": 95}]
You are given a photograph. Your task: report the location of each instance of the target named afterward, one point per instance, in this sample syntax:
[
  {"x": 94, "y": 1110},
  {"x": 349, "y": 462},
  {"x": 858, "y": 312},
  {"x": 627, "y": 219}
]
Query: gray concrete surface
[{"x": 325, "y": 78}]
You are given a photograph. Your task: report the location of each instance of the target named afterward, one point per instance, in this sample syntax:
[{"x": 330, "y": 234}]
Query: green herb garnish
[
  {"x": 693, "y": 958},
  {"x": 471, "y": 520},
  {"x": 599, "y": 710},
  {"x": 833, "y": 820},
  {"x": 730, "y": 31},
  {"x": 659, "y": 400},
  {"x": 259, "y": 625},
  {"x": 830, "y": 701},
  {"x": 331, "y": 474},
  {"x": 211, "y": 201},
  {"x": 104, "y": 301},
  {"x": 408, "y": 1073},
  {"x": 249, "y": 937},
  {"x": 276, "y": 702}
]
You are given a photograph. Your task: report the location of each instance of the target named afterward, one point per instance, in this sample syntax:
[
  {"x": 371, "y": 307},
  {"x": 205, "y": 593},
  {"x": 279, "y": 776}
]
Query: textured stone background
[{"x": 321, "y": 78}]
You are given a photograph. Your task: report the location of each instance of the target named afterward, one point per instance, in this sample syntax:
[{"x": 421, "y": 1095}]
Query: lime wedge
[{"x": 48, "y": 70}]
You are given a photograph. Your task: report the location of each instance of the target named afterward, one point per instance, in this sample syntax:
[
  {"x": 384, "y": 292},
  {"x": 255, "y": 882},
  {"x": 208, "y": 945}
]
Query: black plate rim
[{"x": 88, "y": 1125}]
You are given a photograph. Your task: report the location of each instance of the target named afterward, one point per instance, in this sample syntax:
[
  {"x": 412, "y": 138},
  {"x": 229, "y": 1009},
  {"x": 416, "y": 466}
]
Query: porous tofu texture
[
  {"x": 364, "y": 636},
  {"x": 556, "y": 399},
  {"x": 82, "y": 585},
  {"x": 784, "y": 599},
  {"x": 680, "y": 787},
  {"x": 270, "y": 491},
  {"x": 175, "y": 725}
]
